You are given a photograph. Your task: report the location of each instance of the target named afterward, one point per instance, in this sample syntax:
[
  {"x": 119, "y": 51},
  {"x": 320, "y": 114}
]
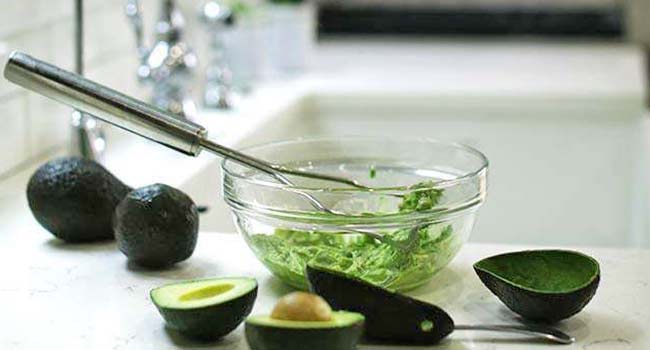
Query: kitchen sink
[{"x": 561, "y": 172}]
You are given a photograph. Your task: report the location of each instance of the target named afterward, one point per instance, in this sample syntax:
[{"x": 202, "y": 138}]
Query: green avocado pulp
[
  {"x": 287, "y": 252},
  {"x": 201, "y": 293},
  {"x": 339, "y": 319},
  {"x": 545, "y": 271}
]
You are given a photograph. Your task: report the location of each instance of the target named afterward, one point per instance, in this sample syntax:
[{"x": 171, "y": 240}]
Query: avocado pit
[{"x": 301, "y": 306}]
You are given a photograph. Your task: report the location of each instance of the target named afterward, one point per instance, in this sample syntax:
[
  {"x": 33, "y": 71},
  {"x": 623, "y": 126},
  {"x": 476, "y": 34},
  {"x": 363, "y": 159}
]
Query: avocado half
[
  {"x": 206, "y": 309},
  {"x": 342, "y": 332},
  {"x": 390, "y": 317},
  {"x": 541, "y": 285}
]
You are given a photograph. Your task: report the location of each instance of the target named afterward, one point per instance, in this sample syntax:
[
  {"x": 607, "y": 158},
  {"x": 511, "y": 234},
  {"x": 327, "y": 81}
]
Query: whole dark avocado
[
  {"x": 74, "y": 199},
  {"x": 156, "y": 226}
]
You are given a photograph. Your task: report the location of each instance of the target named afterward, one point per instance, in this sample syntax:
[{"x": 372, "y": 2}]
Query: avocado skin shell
[
  {"x": 210, "y": 322},
  {"x": 390, "y": 317},
  {"x": 537, "y": 306},
  {"x": 74, "y": 199},
  {"x": 275, "y": 338},
  {"x": 156, "y": 226}
]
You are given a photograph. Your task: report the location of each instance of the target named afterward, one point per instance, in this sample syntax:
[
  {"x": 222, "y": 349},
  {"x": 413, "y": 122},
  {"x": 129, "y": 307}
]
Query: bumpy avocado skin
[
  {"x": 275, "y": 338},
  {"x": 540, "y": 307},
  {"x": 390, "y": 317},
  {"x": 210, "y": 322},
  {"x": 156, "y": 226},
  {"x": 74, "y": 199}
]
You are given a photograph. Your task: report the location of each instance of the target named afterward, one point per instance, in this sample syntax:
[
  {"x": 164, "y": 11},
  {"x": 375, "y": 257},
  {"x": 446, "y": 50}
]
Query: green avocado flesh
[
  {"x": 339, "y": 319},
  {"x": 342, "y": 332},
  {"x": 287, "y": 252},
  {"x": 206, "y": 309},
  {"x": 541, "y": 285},
  {"x": 546, "y": 271}
]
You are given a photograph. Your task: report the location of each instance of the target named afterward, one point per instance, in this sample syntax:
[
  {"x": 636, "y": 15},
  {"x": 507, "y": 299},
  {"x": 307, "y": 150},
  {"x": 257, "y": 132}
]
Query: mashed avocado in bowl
[{"x": 428, "y": 196}]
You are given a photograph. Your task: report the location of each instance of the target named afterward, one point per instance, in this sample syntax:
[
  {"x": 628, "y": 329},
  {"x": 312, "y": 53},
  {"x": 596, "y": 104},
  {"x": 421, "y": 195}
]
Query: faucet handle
[
  {"x": 216, "y": 15},
  {"x": 133, "y": 11}
]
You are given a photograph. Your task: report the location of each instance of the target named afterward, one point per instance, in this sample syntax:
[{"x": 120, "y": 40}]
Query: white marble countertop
[
  {"x": 86, "y": 297},
  {"x": 58, "y": 296}
]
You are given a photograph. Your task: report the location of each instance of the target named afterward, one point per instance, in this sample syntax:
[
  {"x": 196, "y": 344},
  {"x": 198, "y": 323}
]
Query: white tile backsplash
[
  {"x": 49, "y": 125},
  {"x": 34, "y": 125},
  {"x": 13, "y": 135},
  {"x": 16, "y": 16}
]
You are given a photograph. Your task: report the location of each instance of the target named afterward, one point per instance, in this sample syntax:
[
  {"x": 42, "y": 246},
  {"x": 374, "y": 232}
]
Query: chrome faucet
[
  {"x": 168, "y": 64},
  {"x": 88, "y": 139},
  {"x": 217, "y": 17}
]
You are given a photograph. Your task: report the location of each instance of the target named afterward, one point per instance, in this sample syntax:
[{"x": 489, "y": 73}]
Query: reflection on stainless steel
[
  {"x": 217, "y": 17},
  {"x": 169, "y": 63},
  {"x": 148, "y": 121},
  {"x": 548, "y": 333},
  {"x": 104, "y": 103},
  {"x": 133, "y": 115},
  {"x": 88, "y": 138}
]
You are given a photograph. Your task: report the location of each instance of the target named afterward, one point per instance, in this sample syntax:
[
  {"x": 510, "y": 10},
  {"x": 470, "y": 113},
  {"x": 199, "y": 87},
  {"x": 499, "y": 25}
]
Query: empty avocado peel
[
  {"x": 399, "y": 319},
  {"x": 541, "y": 285},
  {"x": 206, "y": 309}
]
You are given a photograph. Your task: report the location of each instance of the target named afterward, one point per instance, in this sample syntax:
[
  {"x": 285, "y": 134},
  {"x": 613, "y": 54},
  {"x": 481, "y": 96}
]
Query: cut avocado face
[
  {"x": 340, "y": 319},
  {"x": 390, "y": 317},
  {"x": 206, "y": 309},
  {"x": 341, "y": 332},
  {"x": 541, "y": 285}
]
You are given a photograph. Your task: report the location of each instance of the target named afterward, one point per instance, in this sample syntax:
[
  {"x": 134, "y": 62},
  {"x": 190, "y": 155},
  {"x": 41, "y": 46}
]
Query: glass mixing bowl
[{"x": 424, "y": 192}]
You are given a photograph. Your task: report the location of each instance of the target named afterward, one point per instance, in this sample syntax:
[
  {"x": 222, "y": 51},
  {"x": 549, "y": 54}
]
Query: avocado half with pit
[
  {"x": 206, "y": 309},
  {"x": 390, "y": 317},
  {"x": 541, "y": 285},
  {"x": 303, "y": 321}
]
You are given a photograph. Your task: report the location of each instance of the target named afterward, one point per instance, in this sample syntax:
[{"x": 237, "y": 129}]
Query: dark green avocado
[
  {"x": 541, "y": 285},
  {"x": 206, "y": 309},
  {"x": 74, "y": 199},
  {"x": 390, "y": 317},
  {"x": 156, "y": 226}
]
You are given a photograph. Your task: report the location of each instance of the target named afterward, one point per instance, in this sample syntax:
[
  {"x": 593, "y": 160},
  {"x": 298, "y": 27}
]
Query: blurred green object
[
  {"x": 240, "y": 7},
  {"x": 421, "y": 198},
  {"x": 287, "y": 1}
]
